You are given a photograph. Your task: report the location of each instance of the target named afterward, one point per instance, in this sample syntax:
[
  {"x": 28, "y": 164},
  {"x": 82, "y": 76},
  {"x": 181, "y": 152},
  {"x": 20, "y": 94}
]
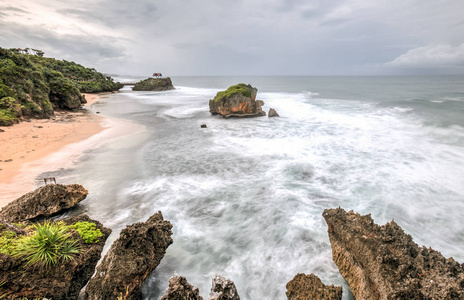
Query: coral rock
[
  {"x": 180, "y": 289},
  {"x": 132, "y": 257},
  {"x": 382, "y": 262},
  {"x": 272, "y": 113},
  {"x": 43, "y": 202},
  {"x": 310, "y": 287},
  {"x": 154, "y": 84},
  {"x": 237, "y": 101},
  {"x": 223, "y": 289}
]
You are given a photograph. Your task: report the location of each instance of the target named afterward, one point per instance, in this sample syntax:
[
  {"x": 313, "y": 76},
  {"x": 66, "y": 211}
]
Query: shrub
[
  {"x": 240, "y": 88},
  {"x": 88, "y": 231},
  {"x": 50, "y": 244}
]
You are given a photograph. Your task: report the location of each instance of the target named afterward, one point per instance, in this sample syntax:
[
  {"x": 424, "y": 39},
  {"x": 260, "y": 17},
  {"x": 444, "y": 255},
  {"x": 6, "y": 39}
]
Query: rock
[
  {"x": 382, "y": 262},
  {"x": 8, "y": 160},
  {"x": 272, "y": 113},
  {"x": 43, "y": 202},
  {"x": 237, "y": 101},
  {"x": 154, "y": 84},
  {"x": 203, "y": 126},
  {"x": 132, "y": 257},
  {"x": 223, "y": 289},
  {"x": 180, "y": 289},
  {"x": 35, "y": 136},
  {"x": 310, "y": 287},
  {"x": 63, "y": 281},
  {"x": 1, "y": 130}
]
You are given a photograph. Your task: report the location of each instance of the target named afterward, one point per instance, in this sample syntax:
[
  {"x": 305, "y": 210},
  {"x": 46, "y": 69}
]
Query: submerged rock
[
  {"x": 223, "y": 289},
  {"x": 43, "y": 202},
  {"x": 154, "y": 84},
  {"x": 382, "y": 262},
  {"x": 272, "y": 113},
  {"x": 132, "y": 257},
  {"x": 310, "y": 287},
  {"x": 237, "y": 101},
  {"x": 63, "y": 281},
  {"x": 180, "y": 289}
]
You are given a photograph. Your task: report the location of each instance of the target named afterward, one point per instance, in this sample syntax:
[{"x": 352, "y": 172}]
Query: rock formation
[
  {"x": 237, "y": 101},
  {"x": 43, "y": 202},
  {"x": 154, "y": 84},
  {"x": 223, "y": 289},
  {"x": 272, "y": 113},
  {"x": 63, "y": 281},
  {"x": 310, "y": 287},
  {"x": 180, "y": 289},
  {"x": 132, "y": 257},
  {"x": 382, "y": 262}
]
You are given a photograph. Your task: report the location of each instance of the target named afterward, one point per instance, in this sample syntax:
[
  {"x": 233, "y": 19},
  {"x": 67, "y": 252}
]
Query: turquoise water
[{"x": 246, "y": 196}]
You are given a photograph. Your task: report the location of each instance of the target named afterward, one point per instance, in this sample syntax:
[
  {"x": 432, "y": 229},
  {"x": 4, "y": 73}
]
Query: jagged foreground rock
[
  {"x": 43, "y": 202},
  {"x": 180, "y": 289},
  {"x": 310, "y": 287},
  {"x": 382, "y": 262},
  {"x": 132, "y": 257},
  {"x": 63, "y": 281},
  {"x": 237, "y": 101},
  {"x": 154, "y": 84}
]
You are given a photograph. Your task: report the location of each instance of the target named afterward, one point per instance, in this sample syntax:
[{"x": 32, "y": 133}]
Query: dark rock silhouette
[
  {"x": 63, "y": 281},
  {"x": 237, "y": 101},
  {"x": 382, "y": 262},
  {"x": 310, "y": 287},
  {"x": 132, "y": 257},
  {"x": 43, "y": 202}
]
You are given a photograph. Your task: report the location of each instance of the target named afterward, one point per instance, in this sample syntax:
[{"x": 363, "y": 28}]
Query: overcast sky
[{"x": 238, "y": 37}]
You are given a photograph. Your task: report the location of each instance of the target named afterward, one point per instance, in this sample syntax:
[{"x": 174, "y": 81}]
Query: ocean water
[{"x": 246, "y": 196}]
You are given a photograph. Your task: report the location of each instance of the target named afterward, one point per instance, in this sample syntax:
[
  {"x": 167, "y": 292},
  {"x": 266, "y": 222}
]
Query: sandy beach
[{"x": 24, "y": 147}]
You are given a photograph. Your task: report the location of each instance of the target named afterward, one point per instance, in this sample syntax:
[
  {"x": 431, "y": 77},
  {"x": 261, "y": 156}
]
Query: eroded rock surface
[
  {"x": 154, "y": 84},
  {"x": 272, "y": 113},
  {"x": 237, "y": 101},
  {"x": 310, "y": 287},
  {"x": 43, "y": 202},
  {"x": 382, "y": 262},
  {"x": 62, "y": 281},
  {"x": 223, "y": 289},
  {"x": 180, "y": 289},
  {"x": 132, "y": 257}
]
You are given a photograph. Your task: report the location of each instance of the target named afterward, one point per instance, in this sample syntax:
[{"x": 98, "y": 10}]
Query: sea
[{"x": 245, "y": 196}]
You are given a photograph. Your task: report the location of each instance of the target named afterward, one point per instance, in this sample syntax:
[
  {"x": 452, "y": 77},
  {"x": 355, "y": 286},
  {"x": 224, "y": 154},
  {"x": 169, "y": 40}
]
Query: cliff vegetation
[{"x": 32, "y": 85}]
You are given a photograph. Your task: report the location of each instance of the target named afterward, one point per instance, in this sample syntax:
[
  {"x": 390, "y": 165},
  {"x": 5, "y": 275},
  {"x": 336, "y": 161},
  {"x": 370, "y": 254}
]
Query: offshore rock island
[
  {"x": 237, "y": 101},
  {"x": 154, "y": 84}
]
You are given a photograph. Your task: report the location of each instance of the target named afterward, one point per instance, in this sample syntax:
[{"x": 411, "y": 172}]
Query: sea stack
[
  {"x": 237, "y": 101},
  {"x": 154, "y": 84}
]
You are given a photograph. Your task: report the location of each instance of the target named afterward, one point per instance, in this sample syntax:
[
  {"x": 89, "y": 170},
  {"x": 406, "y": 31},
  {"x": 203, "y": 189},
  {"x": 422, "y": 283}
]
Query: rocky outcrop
[
  {"x": 237, "y": 101},
  {"x": 132, "y": 257},
  {"x": 223, "y": 289},
  {"x": 63, "y": 281},
  {"x": 180, "y": 289},
  {"x": 272, "y": 113},
  {"x": 310, "y": 287},
  {"x": 154, "y": 84},
  {"x": 43, "y": 202},
  {"x": 382, "y": 262}
]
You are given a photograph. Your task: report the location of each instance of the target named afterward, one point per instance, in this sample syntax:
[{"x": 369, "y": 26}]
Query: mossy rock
[
  {"x": 241, "y": 88},
  {"x": 154, "y": 84}
]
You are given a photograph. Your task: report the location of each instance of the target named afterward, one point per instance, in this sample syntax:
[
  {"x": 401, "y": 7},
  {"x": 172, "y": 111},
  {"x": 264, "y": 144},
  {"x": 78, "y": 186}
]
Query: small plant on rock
[
  {"x": 88, "y": 231},
  {"x": 50, "y": 244}
]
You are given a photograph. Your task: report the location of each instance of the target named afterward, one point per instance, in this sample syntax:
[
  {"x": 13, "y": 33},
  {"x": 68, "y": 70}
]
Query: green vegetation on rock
[
  {"x": 154, "y": 84},
  {"x": 240, "y": 88},
  {"x": 46, "y": 244},
  {"x": 88, "y": 231},
  {"x": 34, "y": 85}
]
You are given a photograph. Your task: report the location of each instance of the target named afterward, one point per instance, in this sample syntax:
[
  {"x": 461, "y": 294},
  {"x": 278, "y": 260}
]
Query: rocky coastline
[{"x": 378, "y": 262}]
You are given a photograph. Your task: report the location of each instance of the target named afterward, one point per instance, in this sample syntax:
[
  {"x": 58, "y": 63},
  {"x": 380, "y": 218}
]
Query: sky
[{"x": 243, "y": 37}]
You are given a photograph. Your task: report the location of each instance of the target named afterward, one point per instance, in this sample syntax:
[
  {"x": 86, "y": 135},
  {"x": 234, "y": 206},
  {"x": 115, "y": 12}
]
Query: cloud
[{"x": 431, "y": 56}]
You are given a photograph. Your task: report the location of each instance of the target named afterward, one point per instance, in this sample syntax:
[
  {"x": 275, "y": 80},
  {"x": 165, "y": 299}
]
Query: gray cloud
[{"x": 255, "y": 37}]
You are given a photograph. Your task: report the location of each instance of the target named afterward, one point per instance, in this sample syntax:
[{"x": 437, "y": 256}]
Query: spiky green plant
[{"x": 51, "y": 243}]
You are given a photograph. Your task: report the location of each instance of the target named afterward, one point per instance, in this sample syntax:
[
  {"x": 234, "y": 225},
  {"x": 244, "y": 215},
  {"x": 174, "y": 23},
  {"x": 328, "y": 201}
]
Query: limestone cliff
[{"x": 382, "y": 262}]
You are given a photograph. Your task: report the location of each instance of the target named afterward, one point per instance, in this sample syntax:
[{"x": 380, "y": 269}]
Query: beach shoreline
[{"x": 31, "y": 148}]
